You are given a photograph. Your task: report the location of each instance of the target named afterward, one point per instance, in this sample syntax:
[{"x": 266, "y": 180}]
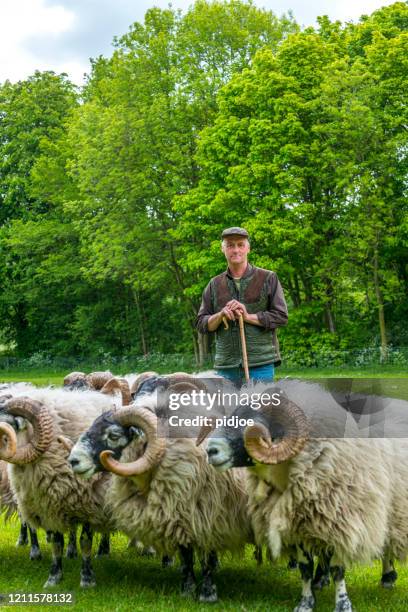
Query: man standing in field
[{"x": 257, "y": 295}]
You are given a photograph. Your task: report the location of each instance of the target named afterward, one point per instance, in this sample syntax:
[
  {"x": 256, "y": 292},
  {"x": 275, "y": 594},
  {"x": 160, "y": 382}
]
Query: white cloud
[
  {"x": 62, "y": 35},
  {"x": 306, "y": 13},
  {"x": 19, "y": 19}
]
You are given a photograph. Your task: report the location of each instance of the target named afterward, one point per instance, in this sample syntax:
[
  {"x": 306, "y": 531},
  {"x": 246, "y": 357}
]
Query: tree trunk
[
  {"x": 140, "y": 313},
  {"x": 380, "y": 304},
  {"x": 329, "y": 306},
  {"x": 329, "y": 319}
]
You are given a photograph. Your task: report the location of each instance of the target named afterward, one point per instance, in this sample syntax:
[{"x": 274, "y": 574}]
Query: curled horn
[
  {"x": 98, "y": 379},
  {"x": 7, "y": 435},
  {"x": 140, "y": 378},
  {"x": 41, "y": 420},
  {"x": 178, "y": 379},
  {"x": 118, "y": 384},
  {"x": 74, "y": 377},
  {"x": 147, "y": 421},
  {"x": 264, "y": 449}
]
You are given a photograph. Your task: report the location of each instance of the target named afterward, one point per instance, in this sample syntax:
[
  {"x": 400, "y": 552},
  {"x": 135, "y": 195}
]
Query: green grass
[
  {"x": 55, "y": 377},
  {"x": 129, "y": 582},
  {"x": 126, "y": 581}
]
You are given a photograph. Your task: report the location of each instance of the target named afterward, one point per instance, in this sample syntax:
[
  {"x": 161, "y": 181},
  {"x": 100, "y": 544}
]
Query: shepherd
[{"x": 252, "y": 293}]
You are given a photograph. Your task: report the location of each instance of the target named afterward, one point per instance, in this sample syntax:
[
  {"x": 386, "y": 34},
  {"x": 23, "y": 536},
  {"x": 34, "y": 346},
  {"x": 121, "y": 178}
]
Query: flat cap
[{"x": 235, "y": 231}]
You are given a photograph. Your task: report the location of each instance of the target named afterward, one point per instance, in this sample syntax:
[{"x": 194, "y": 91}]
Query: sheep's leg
[
  {"x": 258, "y": 555},
  {"x": 72, "y": 551},
  {"x": 104, "y": 545},
  {"x": 292, "y": 561},
  {"x": 322, "y": 574},
  {"x": 23, "y": 535},
  {"x": 188, "y": 581},
  {"x": 167, "y": 561},
  {"x": 48, "y": 537},
  {"x": 305, "y": 562},
  {"x": 389, "y": 574},
  {"x": 208, "y": 589},
  {"x": 343, "y": 603},
  {"x": 35, "y": 552},
  {"x": 85, "y": 541},
  {"x": 55, "y": 574}
]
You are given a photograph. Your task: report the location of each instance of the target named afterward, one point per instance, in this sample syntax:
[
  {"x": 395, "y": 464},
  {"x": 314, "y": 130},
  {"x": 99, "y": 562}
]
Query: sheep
[
  {"x": 20, "y": 388},
  {"x": 80, "y": 380},
  {"x": 48, "y": 493},
  {"x": 164, "y": 492},
  {"x": 8, "y": 504},
  {"x": 309, "y": 487}
]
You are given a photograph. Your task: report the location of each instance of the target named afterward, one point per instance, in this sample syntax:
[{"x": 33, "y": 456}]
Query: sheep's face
[
  {"x": 148, "y": 386},
  {"x": 78, "y": 384},
  {"x": 226, "y": 448},
  {"x": 104, "y": 434}
]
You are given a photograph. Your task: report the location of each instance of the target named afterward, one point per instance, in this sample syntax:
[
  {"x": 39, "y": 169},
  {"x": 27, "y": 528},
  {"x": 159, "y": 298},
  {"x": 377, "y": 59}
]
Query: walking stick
[
  {"x": 243, "y": 347},
  {"x": 243, "y": 344}
]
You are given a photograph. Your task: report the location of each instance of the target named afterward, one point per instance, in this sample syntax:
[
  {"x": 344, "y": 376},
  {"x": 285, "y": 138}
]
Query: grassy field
[
  {"x": 55, "y": 377},
  {"x": 129, "y": 582}
]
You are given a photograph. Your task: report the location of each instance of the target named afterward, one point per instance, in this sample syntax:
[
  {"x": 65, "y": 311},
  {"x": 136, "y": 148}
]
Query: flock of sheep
[{"x": 307, "y": 478}]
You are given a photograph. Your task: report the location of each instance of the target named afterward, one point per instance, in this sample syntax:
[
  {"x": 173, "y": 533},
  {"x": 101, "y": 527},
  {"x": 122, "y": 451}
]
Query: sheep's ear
[{"x": 135, "y": 432}]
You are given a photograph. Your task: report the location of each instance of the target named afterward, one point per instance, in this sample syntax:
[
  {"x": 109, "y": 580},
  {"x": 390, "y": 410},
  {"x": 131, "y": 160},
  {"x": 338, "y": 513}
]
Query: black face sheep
[
  {"x": 164, "y": 492},
  {"x": 48, "y": 493},
  {"x": 309, "y": 487}
]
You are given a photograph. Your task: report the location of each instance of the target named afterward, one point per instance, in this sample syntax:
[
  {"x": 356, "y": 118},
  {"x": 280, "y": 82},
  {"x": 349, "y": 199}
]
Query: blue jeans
[{"x": 263, "y": 373}]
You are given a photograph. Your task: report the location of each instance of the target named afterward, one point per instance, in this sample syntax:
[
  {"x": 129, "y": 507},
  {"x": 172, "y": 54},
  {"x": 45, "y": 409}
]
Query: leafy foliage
[{"x": 113, "y": 199}]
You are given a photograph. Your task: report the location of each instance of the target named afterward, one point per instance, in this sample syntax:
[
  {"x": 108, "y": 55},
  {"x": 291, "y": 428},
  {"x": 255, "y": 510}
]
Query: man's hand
[
  {"x": 228, "y": 312},
  {"x": 215, "y": 320},
  {"x": 237, "y": 308}
]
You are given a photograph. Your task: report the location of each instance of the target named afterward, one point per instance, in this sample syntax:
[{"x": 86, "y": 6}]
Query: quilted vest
[{"x": 253, "y": 293}]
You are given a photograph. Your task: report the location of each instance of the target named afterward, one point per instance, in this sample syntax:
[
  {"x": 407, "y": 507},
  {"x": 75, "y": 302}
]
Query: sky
[{"x": 62, "y": 35}]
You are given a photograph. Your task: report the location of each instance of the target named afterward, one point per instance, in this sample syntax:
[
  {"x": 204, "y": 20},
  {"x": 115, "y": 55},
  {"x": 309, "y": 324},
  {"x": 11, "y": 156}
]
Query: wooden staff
[
  {"x": 243, "y": 344},
  {"x": 243, "y": 347}
]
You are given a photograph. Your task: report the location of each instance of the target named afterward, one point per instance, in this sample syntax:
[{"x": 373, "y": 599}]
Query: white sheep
[
  {"x": 317, "y": 484},
  {"x": 164, "y": 492},
  {"x": 48, "y": 494}
]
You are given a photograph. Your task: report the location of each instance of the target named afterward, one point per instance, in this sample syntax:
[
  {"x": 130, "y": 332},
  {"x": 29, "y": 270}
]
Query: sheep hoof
[
  {"x": 188, "y": 587},
  {"x": 306, "y": 604},
  {"x": 87, "y": 581},
  {"x": 148, "y": 551},
  {"x": 53, "y": 580},
  {"x": 22, "y": 541},
  {"x": 167, "y": 561},
  {"x": 388, "y": 580},
  {"x": 343, "y": 605},
  {"x": 72, "y": 552},
  {"x": 35, "y": 553},
  {"x": 321, "y": 582},
  {"x": 208, "y": 594},
  {"x": 292, "y": 564}
]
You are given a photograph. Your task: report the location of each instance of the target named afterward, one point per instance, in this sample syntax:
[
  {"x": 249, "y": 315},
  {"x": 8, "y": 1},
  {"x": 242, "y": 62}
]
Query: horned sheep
[
  {"x": 319, "y": 481},
  {"x": 164, "y": 492},
  {"x": 38, "y": 430}
]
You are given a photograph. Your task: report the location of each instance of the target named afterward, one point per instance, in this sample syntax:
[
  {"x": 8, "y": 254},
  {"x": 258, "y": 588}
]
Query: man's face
[{"x": 235, "y": 249}]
